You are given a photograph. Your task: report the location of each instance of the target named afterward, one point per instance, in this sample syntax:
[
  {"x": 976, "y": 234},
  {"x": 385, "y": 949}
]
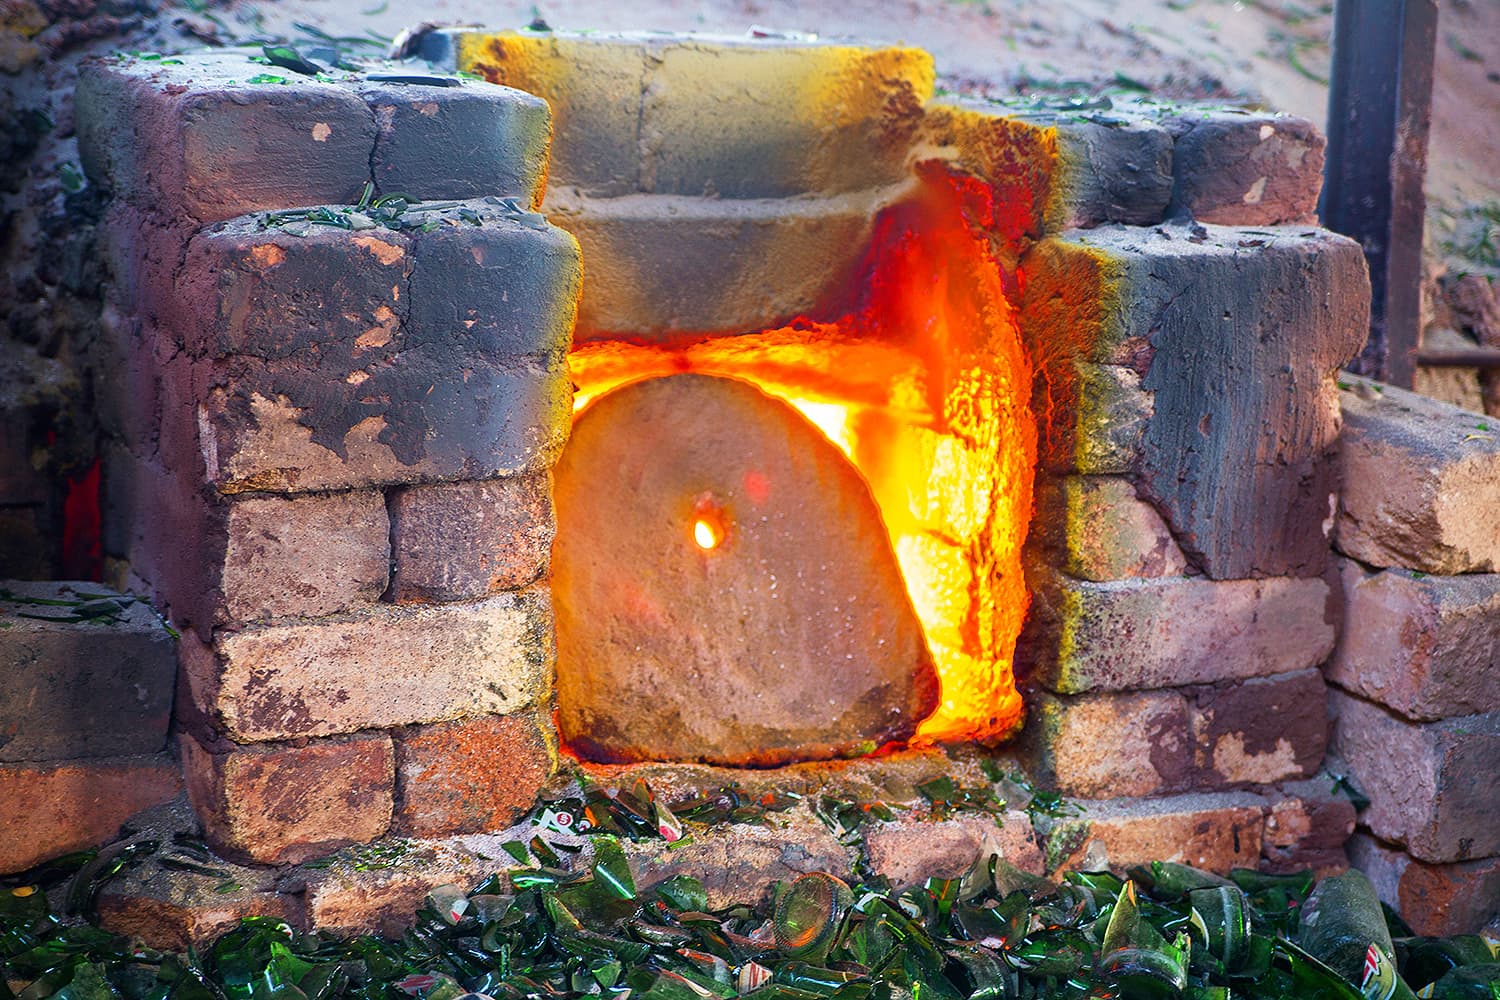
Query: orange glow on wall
[{"x": 924, "y": 385}]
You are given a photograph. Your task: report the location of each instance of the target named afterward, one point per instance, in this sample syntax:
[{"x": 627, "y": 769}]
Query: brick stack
[
  {"x": 756, "y": 164},
  {"x": 85, "y": 702},
  {"x": 332, "y": 442},
  {"x": 1416, "y": 673},
  {"x": 1188, "y": 416}
]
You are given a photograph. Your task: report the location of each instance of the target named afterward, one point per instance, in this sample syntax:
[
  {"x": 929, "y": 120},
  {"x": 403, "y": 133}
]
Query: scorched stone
[{"x": 725, "y": 589}]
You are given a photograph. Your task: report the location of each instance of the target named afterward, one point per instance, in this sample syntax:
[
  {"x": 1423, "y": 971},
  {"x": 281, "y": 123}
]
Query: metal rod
[
  {"x": 1477, "y": 357},
  {"x": 1379, "y": 110}
]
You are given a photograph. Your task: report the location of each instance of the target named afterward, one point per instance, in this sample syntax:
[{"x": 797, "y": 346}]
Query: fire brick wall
[{"x": 333, "y": 431}]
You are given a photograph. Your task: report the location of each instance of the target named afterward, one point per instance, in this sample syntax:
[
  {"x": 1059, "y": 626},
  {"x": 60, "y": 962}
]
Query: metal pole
[{"x": 1379, "y": 110}]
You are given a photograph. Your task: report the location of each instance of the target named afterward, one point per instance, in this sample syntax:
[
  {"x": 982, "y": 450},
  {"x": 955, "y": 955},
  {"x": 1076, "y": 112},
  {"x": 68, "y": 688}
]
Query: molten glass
[{"x": 924, "y": 385}]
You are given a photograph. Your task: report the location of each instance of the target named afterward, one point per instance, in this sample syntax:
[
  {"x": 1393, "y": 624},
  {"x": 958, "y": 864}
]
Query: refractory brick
[
  {"x": 1245, "y": 330},
  {"x": 1425, "y": 646},
  {"x": 737, "y": 118},
  {"x": 1165, "y": 632},
  {"x": 388, "y": 666},
  {"x": 455, "y": 541},
  {"x": 1421, "y": 480},
  {"x": 664, "y": 264},
  {"x": 1430, "y": 785}
]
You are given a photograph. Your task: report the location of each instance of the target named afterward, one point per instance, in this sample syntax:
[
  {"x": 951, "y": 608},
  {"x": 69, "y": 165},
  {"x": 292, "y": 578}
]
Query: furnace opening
[{"x": 922, "y": 385}]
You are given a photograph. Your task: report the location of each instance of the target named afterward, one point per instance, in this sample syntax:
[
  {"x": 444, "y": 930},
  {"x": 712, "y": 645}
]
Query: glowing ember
[
  {"x": 706, "y": 535},
  {"x": 925, "y": 387}
]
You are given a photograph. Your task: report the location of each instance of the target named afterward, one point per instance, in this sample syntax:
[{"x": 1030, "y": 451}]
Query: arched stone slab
[{"x": 793, "y": 638}]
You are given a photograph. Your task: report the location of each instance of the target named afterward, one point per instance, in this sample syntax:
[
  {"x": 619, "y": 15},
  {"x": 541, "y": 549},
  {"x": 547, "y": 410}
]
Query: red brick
[
  {"x": 1307, "y": 825},
  {"x": 1102, "y": 531},
  {"x": 1426, "y": 646},
  {"x": 1430, "y": 785},
  {"x": 51, "y": 809},
  {"x": 305, "y": 556},
  {"x": 275, "y": 804},
  {"x": 1419, "y": 484},
  {"x": 1098, "y": 745},
  {"x": 343, "y": 899},
  {"x": 1259, "y": 731},
  {"x": 454, "y": 541},
  {"x": 470, "y": 777},
  {"x": 910, "y": 850},
  {"x": 1436, "y": 900},
  {"x": 1213, "y": 831}
]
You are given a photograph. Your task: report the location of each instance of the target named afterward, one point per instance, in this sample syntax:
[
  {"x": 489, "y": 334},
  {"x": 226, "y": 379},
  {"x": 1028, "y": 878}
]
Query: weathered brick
[
  {"x": 1106, "y": 745},
  {"x": 388, "y": 666},
  {"x": 308, "y": 555},
  {"x": 194, "y": 137},
  {"x": 454, "y": 541},
  {"x": 740, "y": 863},
  {"x": 659, "y": 264},
  {"x": 468, "y": 141},
  {"x": 1430, "y": 785},
  {"x": 335, "y": 298},
  {"x": 1245, "y": 168},
  {"x": 1259, "y": 731},
  {"x": 1058, "y": 171},
  {"x": 1102, "y": 531},
  {"x": 505, "y": 288},
  {"x": 343, "y": 358},
  {"x": 207, "y": 560},
  {"x": 51, "y": 809},
  {"x": 1436, "y": 900},
  {"x": 276, "y": 804},
  {"x": 736, "y": 118},
  {"x": 1426, "y": 646},
  {"x": 1241, "y": 332},
  {"x": 1101, "y": 432},
  {"x": 1420, "y": 480},
  {"x": 910, "y": 851},
  {"x": 281, "y": 427},
  {"x": 471, "y": 776},
  {"x": 1307, "y": 825},
  {"x": 343, "y": 899},
  {"x": 1255, "y": 732},
  {"x": 1129, "y": 634},
  {"x": 1213, "y": 831},
  {"x": 101, "y": 687}
]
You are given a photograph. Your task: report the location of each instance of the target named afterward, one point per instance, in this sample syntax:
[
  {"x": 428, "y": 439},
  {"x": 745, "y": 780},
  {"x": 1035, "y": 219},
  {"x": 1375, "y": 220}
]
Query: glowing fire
[
  {"x": 925, "y": 388},
  {"x": 705, "y": 535}
]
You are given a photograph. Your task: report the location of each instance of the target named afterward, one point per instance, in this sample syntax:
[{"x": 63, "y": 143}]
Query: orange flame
[{"x": 925, "y": 387}]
